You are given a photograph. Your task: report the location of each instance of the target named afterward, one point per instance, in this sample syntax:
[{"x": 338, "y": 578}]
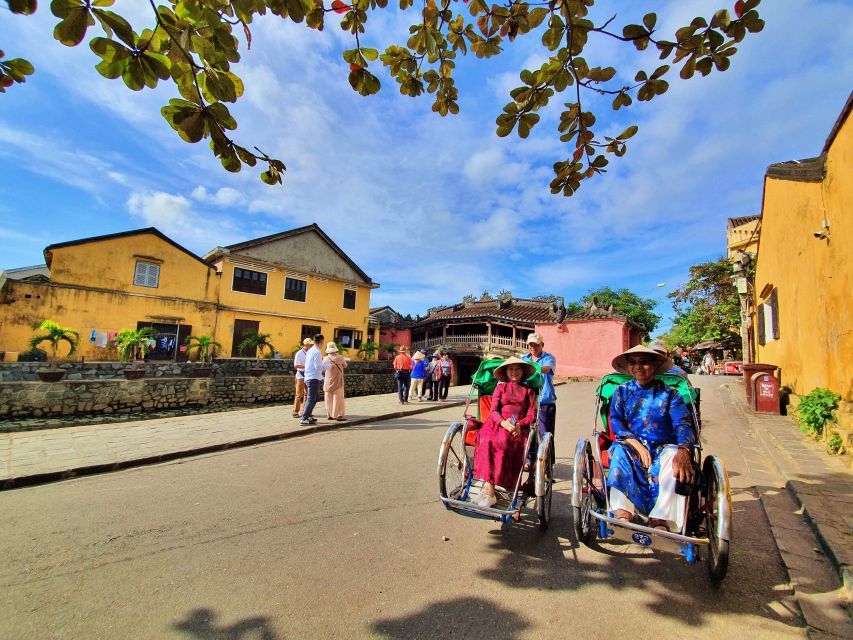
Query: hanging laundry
[
  {"x": 94, "y": 336},
  {"x": 101, "y": 340}
]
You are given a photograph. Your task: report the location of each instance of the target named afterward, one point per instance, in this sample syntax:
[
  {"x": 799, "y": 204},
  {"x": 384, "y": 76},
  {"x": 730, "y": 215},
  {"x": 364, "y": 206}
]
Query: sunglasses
[{"x": 639, "y": 363}]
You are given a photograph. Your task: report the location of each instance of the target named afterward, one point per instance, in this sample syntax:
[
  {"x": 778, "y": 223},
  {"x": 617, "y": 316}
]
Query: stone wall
[{"x": 101, "y": 388}]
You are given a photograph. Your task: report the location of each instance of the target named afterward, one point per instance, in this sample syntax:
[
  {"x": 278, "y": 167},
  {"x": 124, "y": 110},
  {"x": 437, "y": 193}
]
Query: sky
[{"x": 431, "y": 208}]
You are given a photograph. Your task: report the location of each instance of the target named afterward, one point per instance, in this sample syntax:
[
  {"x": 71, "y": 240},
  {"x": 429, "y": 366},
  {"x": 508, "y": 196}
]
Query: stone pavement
[
  {"x": 32, "y": 457},
  {"x": 807, "y": 495}
]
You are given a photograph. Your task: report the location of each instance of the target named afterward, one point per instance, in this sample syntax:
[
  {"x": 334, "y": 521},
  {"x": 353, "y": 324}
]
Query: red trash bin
[
  {"x": 765, "y": 393},
  {"x": 751, "y": 369}
]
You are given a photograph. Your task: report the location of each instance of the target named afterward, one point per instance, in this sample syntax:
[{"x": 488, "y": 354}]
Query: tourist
[
  {"x": 333, "y": 384},
  {"x": 299, "y": 381},
  {"x": 709, "y": 364},
  {"x": 499, "y": 456},
  {"x": 314, "y": 368},
  {"x": 654, "y": 446},
  {"x": 402, "y": 373},
  {"x": 660, "y": 347},
  {"x": 433, "y": 378},
  {"x": 446, "y": 365},
  {"x": 416, "y": 390},
  {"x": 547, "y": 397}
]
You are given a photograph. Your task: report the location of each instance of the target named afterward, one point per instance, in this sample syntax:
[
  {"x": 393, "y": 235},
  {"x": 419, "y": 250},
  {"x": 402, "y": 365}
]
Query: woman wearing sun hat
[
  {"x": 655, "y": 440},
  {"x": 500, "y": 449},
  {"x": 333, "y": 382}
]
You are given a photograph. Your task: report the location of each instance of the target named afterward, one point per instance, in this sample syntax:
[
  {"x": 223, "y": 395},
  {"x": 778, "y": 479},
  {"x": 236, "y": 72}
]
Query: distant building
[{"x": 742, "y": 236}]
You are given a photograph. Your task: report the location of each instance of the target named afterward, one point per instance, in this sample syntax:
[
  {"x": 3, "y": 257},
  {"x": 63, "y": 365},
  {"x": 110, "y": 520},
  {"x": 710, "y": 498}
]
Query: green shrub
[
  {"x": 817, "y": 410},
  {"x": 835, "y": 444}
]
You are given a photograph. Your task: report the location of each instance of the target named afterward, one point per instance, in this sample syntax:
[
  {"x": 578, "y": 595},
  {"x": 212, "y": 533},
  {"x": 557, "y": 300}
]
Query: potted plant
[
  {"x": 367, "y": 350},
  {"x": 257, "y": 343},
  {"x": 55, "y": 334},
  {"x": 133, "y": 345},
  {"x": 206, "y": 346}
]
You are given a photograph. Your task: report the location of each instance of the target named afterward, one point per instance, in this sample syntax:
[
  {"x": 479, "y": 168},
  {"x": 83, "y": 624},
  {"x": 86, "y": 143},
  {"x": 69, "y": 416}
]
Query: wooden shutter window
[
  {"x": 759, "y": 321},
  {"x": 146, "y": 274},
  {"x": 773, "y": 302}
]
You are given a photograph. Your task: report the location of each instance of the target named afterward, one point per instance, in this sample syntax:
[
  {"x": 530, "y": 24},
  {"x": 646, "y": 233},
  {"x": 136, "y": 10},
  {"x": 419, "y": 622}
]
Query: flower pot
[
  {"x": 257, "y": 372},
  {"x": 133, "y": 374},
  {"x": 202, "y": 372},
  {"x": 50, "y": 375}
]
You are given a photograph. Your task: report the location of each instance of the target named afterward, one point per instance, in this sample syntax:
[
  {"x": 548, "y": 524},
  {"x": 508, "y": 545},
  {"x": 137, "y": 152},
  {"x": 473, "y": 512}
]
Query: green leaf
[
  {"x": 23, "y": 7},
  {"x": 113, "y": 21},
  {"x": 628, "y": 133},
  {"x": 72, "y": 29}
]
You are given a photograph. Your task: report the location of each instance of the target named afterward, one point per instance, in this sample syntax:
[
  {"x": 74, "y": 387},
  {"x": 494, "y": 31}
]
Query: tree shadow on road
[
  {"x": 462, "y": 618},
  {"x": 201, "y": 624}
]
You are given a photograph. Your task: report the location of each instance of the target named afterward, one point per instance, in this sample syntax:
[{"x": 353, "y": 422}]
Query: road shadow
[
  {"x": 200, "y": 624},
  {"x": 462, "y": 618},
  {"x": 553, "y": 560}
]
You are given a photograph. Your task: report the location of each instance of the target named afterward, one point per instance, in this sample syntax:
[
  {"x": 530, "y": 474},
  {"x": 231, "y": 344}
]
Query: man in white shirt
[
  {"x": 299, "y": 365},
  {"x": 314, "y": 368}
]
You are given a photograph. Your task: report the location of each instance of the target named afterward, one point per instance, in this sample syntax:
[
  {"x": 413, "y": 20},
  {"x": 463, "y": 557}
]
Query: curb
[
  {"x": 54, "y": 476},
  {"x": 843, "y": 571}
]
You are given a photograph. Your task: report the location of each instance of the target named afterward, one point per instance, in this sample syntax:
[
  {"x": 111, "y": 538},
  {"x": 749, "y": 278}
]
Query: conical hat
[
  {"x": 500, "y": 372},
  {"x": 620, "y": 362}
]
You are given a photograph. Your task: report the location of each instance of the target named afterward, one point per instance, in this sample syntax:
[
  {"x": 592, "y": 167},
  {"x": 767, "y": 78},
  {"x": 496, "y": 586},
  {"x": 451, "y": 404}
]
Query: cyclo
[
  {"x": 458, "y": 489},
  {"x": 707, "y": 520}
]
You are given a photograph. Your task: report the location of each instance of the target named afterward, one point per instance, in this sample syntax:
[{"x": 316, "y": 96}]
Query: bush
[
  {"x": 33, "y": 355},
  {"x": 817, "y": 410}
]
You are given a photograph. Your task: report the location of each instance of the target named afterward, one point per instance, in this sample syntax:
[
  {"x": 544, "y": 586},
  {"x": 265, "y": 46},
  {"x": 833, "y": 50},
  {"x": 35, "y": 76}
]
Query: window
[
  {"x": 349, "y": 298},
  {"x": 767, "y": 320},
  {"x": 294, "y": 289},
  {"x": 249, "y": 281},
  {"x": 348, "y": 338},
  {"x": 147, "y": 274},
  {"x": 308, "y": 331}
]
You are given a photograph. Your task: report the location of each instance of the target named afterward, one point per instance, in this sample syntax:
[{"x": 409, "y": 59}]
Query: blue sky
[{"x": 432, "y": 208}]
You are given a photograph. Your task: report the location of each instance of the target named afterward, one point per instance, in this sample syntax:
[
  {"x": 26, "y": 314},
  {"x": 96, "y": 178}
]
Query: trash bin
[
  {"x": 765, "y": 393},
  {"x": 751, "y": 369}
]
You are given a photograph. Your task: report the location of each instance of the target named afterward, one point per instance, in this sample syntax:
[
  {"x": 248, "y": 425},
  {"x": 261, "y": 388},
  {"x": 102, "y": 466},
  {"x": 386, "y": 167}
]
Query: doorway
[
  {"x": 466, "y": 367},
  {"x": 241, "y": 328}
]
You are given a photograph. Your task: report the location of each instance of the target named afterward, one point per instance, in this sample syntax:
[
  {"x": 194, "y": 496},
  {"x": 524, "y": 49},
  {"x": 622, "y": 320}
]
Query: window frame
[
  {"x": 150, "y": 266},
  {"x": 265, "y": 280},
  {"x": 354, "y": 293},
  {"x": 304, "y": 292}
]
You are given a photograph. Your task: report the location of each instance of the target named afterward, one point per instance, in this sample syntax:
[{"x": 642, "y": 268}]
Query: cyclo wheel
[
  {"x": 583, "y": 482},
  {"x": 455, "y": 469},
  {"x": 717, "y": 502},
  {"x": 543, "y": 503}
]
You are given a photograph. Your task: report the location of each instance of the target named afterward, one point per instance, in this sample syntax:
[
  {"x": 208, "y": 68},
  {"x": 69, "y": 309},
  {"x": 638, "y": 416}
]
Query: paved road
[{"x": 340, "y": 535}]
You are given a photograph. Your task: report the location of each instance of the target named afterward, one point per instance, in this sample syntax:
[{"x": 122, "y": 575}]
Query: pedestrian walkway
[
  {"x": 820, "y": 484},
  {"x": 31, "y": 457}
]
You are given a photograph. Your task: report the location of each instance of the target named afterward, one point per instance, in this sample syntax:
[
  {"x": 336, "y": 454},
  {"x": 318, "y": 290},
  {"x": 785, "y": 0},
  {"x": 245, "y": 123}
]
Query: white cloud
[{"x": 223, "y": 197}]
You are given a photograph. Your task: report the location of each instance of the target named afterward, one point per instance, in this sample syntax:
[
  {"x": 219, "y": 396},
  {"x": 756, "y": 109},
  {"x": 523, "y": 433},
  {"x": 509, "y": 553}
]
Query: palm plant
[
  {"x": 133, "y": 344},
  {"x": 390, "y": 348},
  {"x": 256, "y": 342},
  {"x": 55, "y": 335},
  {"x": 205, "y": 345},
  {"x": 367, "y": 350}
]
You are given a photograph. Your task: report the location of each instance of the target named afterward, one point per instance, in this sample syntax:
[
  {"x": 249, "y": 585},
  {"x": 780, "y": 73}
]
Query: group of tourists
[
  {"x": 417, "y": 375},
  {"x": 312, "y": 370}
]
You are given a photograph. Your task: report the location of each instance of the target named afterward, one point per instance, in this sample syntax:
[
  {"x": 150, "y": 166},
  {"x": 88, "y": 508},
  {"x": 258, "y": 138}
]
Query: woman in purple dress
[{"x": 500, "y": 449}]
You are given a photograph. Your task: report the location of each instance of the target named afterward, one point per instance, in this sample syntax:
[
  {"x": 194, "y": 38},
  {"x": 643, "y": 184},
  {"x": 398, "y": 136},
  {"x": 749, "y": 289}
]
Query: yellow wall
[
  {"x": 814, "y": 277},
  {"x": 283, "y": 318},
  {"x": 91, "y": 288}
]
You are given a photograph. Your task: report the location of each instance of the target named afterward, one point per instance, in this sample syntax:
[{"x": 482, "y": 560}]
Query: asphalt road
[{"x": 341, "y": 535}]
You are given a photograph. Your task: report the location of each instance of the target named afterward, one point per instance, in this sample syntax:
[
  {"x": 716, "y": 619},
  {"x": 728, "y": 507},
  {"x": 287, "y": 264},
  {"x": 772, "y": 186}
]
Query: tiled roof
[
  {"x": 742, "y": 220},
  {"x": 518, "y": 310},
  {"x": 806, "y": 170}
]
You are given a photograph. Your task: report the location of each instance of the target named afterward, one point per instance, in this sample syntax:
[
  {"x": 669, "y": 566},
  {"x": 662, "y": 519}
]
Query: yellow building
[
  {"x": 804, "y": 271},
  {"x": 742, "y": 236},
  {"x": 289, "y": 285},
  {"x": 292, "y": 285},
  {"x": 98, "y": 286}
]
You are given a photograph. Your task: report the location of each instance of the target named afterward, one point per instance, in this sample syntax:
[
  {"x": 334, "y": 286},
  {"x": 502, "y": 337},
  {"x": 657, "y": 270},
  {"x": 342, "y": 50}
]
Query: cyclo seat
[{"x": 472, "y": 435}]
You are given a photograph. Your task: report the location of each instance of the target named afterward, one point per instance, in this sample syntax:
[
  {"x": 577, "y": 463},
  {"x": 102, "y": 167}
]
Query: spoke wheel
[
  {"x": 583, "y": 520},
  {"x": 454, "y": 476},
  {"x": 715, "y": 503},
  {"x": 543, "y": 503}
]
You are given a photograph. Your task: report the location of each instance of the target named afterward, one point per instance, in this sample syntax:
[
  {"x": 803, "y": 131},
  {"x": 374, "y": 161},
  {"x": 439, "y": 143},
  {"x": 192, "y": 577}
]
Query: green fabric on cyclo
[{"x": 485, "y": 382}]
